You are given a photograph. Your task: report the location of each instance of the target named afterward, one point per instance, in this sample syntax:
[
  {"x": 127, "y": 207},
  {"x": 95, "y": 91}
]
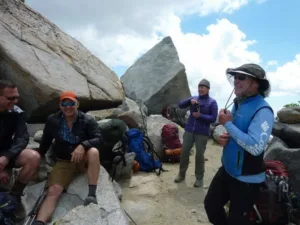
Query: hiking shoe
[
  {"x": 90, "y": 199},
  {"x": 198, "y": 183},
  {"x": 179, "y": 178}
]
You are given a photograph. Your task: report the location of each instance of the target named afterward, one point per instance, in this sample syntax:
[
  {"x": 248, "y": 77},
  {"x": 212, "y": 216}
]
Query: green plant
[{"x": 292, "y": 104}]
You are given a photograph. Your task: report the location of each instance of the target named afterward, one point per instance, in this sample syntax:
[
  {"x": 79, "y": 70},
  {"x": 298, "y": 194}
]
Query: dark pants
[{"x": 241, "y": 195}]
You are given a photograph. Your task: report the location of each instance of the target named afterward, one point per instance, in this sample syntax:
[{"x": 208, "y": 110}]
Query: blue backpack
[
  {"x": 8, "y": 205},
  {"x": 136, "y": 142}
]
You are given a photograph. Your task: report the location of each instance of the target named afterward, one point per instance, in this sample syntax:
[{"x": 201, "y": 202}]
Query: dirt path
[{"x": 150, "y": 199}]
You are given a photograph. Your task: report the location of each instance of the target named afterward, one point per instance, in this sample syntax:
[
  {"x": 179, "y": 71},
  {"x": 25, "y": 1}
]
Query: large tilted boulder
[
  {"x": 158, "y": 78},
  {"x": 44, "y": 61},
  {"x": 70, "y": 209}
]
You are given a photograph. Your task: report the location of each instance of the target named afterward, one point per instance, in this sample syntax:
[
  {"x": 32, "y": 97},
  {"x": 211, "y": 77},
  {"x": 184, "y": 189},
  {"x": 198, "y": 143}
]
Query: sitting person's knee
[
  {"x": 31, "y": 156},
  {"x": 93, "y": 152},
  {"x": 55, "y": 190}
]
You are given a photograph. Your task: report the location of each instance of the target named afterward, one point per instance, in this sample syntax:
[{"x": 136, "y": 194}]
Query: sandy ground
[{"x": 151, "y": 199}]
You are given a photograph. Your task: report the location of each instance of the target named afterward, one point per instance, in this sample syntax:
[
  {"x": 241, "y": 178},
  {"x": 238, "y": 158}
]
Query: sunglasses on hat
[{"x": 65, "y": 104}]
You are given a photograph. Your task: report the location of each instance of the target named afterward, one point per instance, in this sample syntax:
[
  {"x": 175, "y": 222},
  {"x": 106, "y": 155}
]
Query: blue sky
[
  {"x": 272, "y": 24},
  {"x": 209, "y": 36}
]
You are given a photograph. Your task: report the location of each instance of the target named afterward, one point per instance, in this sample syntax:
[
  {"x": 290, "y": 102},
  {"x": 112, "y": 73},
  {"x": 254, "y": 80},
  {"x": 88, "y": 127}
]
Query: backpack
[
  {"x": 113, "y": 131},
  {"x": 171, "y": 143},
  {"x": 144, "y": 152},
  {"x": 175, "y": 114},
  {"x": 8, "y": 205},
  {"x": 275, "y": 205}
]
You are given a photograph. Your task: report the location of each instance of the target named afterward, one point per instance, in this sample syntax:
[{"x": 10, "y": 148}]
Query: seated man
[
  {"x": 77, "y": 139},
  {"x": 14, "y": 138}
]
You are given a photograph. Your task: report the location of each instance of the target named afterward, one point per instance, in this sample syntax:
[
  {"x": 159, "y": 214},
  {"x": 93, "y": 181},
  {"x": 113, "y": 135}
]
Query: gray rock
[
  {"x": 289, "y": 115},
  {"x": 279, "y": 150},
  {"x": 70, "y": 210},
  {"x": 218, "y": 130},
  {"x": 38, "y": 136},
  {"x": 105, "y": 113},
  {"x": 44, "y": 61},
  {"x": 289, "y": 133},
  {"x": 158, "y": 78},
  {"x": 155, "y": 124},
  {"x": 130, "y": 105},
  {"x": 33, "y": 128},
  {"x": 134, "y": 115},
  {"x": 32, "y": 144}
]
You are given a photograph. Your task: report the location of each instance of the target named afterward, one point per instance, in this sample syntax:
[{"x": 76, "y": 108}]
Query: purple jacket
[{"x": 208, "y": 114}]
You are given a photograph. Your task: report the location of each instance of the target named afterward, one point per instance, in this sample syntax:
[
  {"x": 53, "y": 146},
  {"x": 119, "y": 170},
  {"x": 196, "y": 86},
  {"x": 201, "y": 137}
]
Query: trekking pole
[
  {"x": 130, "y": 218},
  {"x": 33, "y": 213}
]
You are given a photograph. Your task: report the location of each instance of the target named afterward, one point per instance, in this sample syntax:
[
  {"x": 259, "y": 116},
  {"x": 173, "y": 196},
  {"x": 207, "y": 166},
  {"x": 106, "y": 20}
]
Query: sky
[{"x": 209, "y": 35}]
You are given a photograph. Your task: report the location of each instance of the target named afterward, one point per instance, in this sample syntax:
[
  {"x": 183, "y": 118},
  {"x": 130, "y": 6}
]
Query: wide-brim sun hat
[{"x": 252, "y": 70}]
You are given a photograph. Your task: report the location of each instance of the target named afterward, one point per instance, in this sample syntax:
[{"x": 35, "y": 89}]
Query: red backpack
[
  {"x": 271, "y": 207},
  {"x": 171, "y": 143}
]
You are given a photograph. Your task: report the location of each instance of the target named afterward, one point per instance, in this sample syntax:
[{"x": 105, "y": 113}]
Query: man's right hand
[
  {"x": 3, "y": 162},
  {"x": 194, "y": 101},
  {"x": 4, "y": 178},
  {"x": 224, "y": 139}
]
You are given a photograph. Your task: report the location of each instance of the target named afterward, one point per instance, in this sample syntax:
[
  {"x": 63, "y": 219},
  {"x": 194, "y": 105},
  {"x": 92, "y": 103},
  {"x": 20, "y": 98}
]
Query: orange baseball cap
[{"x": 69, "y": 95}]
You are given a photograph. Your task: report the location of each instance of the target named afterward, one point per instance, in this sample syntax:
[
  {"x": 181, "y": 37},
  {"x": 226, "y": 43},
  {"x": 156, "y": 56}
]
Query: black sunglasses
[
  {"x": 239, "y": 76},
  {"x": 65, "y": 104},
  {"x": 13, "y": 98}
]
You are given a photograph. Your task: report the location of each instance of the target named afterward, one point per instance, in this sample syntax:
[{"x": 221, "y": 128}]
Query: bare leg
[
  {"x": 29, "y": 161},
  {"x": 49, "y": 204},
  {"x": 93, "y": 174},
  {"x": 93, "y": 165}
]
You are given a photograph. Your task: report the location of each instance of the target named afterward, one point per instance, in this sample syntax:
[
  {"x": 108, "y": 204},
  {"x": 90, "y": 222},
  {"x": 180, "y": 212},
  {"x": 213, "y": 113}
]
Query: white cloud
[
  {"x": 286, "y": 79},
  {"x": 271, "y": 63}
]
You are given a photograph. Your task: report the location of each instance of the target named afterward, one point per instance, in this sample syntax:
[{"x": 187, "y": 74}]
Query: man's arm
[
  {"x": 47, "y": 138},
  {"x": 258, "y": 134},
  {"x": 20, "y": 139},
  {"x": 94, "y": 132},
  {"x": 213, "y": 116},
  {"x": 185, "y": 103}
]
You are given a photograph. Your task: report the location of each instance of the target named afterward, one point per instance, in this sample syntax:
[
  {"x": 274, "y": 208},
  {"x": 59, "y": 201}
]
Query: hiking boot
[
  {"x": 198, "y": 183},
  {"x": 90, "y": 199},
  {"x": 179, "y": 178}
]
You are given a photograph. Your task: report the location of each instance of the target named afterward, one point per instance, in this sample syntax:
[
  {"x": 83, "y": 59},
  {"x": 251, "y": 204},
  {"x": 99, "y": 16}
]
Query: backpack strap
[{"x": 152, "y": 152}]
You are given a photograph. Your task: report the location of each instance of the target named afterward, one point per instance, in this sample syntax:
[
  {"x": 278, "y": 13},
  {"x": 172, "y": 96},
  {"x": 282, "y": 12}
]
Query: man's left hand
[
  {"x": 224, "y": 116},
  {"x": 78, "y": 154},
  {"x": 196, "y": 114}
]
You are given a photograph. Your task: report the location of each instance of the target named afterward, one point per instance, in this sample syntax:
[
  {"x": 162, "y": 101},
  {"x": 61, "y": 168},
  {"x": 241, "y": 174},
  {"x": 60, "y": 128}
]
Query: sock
[
  {"x": 92, "y": 190},
  {"x": 18, "y": 188}
]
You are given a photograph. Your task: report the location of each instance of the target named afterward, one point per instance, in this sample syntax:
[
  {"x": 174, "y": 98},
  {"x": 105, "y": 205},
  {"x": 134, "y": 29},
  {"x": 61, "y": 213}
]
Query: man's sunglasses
[
  {"x": 239, "y": 76},
  {"x": 65, "y": 104},
  {"x": 12, "y": 98}
]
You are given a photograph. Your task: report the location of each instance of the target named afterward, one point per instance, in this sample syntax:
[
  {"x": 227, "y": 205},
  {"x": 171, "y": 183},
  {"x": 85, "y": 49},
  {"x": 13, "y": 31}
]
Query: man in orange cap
[{"x": 77, "y": 140}]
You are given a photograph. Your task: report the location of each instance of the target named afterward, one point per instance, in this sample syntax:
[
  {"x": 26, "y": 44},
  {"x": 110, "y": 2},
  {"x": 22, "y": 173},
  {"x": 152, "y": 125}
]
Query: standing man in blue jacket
[
  {"x": 248, "y": 126},
  {"x": 203, "y": 112}
]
